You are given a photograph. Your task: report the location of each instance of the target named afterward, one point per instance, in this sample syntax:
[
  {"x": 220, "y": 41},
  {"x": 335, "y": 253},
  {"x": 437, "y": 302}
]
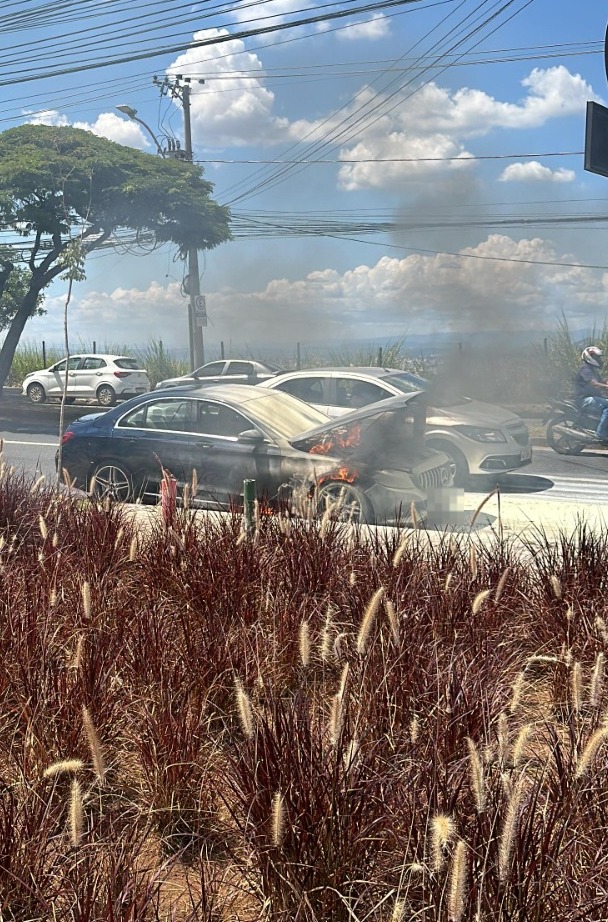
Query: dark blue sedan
[{"x": 372, "y": 465}]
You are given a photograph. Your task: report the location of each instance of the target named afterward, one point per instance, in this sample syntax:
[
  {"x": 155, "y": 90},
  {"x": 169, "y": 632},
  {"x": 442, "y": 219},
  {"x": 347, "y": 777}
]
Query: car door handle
[{"x": 207, "y": 445}]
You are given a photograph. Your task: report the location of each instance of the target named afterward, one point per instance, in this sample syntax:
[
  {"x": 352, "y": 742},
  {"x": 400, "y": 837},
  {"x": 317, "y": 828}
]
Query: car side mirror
[{"x": 251, "y": 437}]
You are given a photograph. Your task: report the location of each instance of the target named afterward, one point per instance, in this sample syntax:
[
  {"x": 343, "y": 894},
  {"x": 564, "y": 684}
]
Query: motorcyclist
[{"x": 590, "y": 388}]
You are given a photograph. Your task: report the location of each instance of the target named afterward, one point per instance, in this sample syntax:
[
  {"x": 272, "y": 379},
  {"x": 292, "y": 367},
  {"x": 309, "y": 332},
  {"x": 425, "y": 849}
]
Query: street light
[
  {"x": 131, "y": 113},
  {"x": 195, "y": 334}
]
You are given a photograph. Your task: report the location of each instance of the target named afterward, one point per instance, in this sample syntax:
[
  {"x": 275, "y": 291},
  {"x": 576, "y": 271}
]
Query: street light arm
[{"x": 132, "y": 114}]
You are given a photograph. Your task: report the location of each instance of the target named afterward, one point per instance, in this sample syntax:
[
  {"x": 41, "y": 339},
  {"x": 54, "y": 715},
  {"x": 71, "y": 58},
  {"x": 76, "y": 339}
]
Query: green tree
[
  {"x": 59, "y": 183},
  {"x": 13, "y": 286}
]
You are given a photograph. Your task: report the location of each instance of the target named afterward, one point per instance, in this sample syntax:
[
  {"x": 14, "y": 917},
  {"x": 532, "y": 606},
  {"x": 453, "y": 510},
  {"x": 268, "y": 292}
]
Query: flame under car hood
[{"x": 384, "y": 432}]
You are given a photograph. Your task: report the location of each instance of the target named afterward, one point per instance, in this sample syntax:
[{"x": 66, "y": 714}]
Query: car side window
[
  {"x": 217, "y": 419},
  {"x": 211, "y": 370},
  {"x": 174, "y": 415},
  {"x": 91, "y": 362},
  {"x": 362, "y": 393},
  {"x": 311, "y": 390},
  {"x": 73, "y": 363},
  {"x": 240, "y": 368}
]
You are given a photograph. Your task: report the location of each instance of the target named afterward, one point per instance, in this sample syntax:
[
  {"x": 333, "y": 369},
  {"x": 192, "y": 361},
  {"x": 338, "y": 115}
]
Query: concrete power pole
[{"x": 179, "y": 88}]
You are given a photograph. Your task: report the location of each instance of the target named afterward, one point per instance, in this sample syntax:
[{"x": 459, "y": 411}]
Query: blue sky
[{"x": 438, "y": 145}]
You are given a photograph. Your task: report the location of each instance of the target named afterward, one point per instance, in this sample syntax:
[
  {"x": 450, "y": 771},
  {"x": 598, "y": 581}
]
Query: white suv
[{"x": 103, "y": 378}]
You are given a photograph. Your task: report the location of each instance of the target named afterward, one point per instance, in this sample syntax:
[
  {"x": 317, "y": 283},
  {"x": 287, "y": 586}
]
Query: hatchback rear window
[{"x": 133, "y": 364}]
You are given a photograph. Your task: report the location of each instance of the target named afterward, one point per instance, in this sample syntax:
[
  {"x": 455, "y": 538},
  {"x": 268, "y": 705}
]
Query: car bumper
[{"x": 495, "y": 463}]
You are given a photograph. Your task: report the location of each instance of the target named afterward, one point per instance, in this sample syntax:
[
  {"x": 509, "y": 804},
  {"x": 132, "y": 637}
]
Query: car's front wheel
[
  {"x": 113, "y": 480},
  {"x": 106, "y": 396},
  {"x": 36, "y": 393},
  {"x": 343, "y": 502}
]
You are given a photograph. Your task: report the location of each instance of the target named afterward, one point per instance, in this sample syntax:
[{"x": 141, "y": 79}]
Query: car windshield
[
  {"x": 408, "y": 383},
  {"x": 286, "y": 415},
  {"x": 440, "y": 393}
]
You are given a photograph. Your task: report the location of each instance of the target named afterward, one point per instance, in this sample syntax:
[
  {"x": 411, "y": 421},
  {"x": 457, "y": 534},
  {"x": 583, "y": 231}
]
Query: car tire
[
  {"x": 458, "y": 462},
  {"x": 112, "y": 479},
  {"x": 36, "y": 393},
  {"x": 106, "y": 396},
  {"x": 343, "y": 502}
]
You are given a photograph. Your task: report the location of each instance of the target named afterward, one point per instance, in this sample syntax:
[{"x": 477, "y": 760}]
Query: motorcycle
[{"x": 571, "y": 428}]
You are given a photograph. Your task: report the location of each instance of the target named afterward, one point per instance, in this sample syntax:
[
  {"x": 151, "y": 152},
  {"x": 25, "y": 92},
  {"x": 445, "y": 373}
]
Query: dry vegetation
[{"x": 296, "y": 726}]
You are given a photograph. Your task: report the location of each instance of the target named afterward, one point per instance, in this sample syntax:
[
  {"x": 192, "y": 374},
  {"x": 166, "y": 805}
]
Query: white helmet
[{"x": 593, "y": 355}]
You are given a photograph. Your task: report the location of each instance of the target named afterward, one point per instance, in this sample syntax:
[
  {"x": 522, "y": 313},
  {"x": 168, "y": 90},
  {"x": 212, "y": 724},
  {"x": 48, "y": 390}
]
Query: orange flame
[
  {"x": 341, "y": 438},
  {"x": 340, "y": 473}
]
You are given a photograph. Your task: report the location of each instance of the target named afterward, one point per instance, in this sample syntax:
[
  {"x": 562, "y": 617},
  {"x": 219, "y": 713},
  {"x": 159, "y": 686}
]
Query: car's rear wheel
[
  {"x": 458, "y": 462},
  {"x": 36, "y": 393},
  {"x": 106, "y": 396},
  {"x": 113, "y": 480},
  {"x": 343, "y": 502}
]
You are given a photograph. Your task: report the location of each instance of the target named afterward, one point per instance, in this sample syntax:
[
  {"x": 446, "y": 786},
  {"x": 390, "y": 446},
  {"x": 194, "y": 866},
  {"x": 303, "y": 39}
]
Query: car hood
[
  {"x": 385, "y": 434},
  {"x": 472, "y": 413}
]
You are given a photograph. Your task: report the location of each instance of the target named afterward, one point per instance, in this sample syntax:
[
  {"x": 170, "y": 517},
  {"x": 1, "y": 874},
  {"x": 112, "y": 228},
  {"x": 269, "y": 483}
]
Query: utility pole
[{"x": 179, "y": 88}]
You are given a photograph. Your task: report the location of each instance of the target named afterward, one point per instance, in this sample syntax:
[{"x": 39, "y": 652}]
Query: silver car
[
  {"x": 480, "y": 438},
  {"x": 103, "y": 378}
]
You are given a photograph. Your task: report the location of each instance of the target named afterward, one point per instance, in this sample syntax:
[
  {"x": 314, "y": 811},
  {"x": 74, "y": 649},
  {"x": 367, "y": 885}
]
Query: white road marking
[{"x": 39, "y": 444}]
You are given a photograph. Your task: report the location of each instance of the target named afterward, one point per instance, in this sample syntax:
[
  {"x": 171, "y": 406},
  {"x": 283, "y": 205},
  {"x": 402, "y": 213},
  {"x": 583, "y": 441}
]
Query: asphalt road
[{"x": 30, "y": 435}]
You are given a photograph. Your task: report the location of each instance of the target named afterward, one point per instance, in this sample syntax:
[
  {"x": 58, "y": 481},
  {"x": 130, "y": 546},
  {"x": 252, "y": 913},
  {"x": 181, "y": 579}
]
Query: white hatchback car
[{"x": 103, "y": 378}]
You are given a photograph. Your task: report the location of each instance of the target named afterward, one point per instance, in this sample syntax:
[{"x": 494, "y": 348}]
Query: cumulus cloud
[
  {"x": 533, "y": 171},
  {"x": 117, "y": 128},
  {"x": 367, "y": 29},
  {"x": 229, "y": 110},
  {"x": 500, "y": 284}
]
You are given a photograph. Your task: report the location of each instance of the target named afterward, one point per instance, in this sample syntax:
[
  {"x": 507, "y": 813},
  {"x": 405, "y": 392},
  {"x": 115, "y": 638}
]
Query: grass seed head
[
  {"x": 94, "y": 745},
  {"x": 76, "y": 813},
  {"x": 479, "y": 600},
  {"x": 401, "y": 548},
  {"x": 576, "y": 682},
  {"x": 520, "y": 744},
  {"x": 556, "y": 585},
  {"x": 590, "y": 751},
  {"x": 398, "y": 913},
  {"x": 244, "y": 709},
  {"x": 597, "y": 681},
  {"x": 304, "y": 643},
  {"x": 64, "y": 767},
  {"x": 516, "y": 692},
  {"x": 335, "y": 719},
  {"x": 278, "y": 819},
  {"x": 133, "y": 549},
  {"x": 502, "y": 582},
  {"x": 473, "y": 562},
  {"x": 391, "y": 614},
  {"x": 443, "y": 830},
  {"x": 509, "y": 829},
  {"x": 458, "y": 880},
  {"x": 326, "y": 644},
  {"x": 367, "y": 622},
  {"x": 415, "y": 729},
  {"x": 42, "y": 526},
  {"x": 86, "y": 598},
  {"x": 478, "y": 785}
]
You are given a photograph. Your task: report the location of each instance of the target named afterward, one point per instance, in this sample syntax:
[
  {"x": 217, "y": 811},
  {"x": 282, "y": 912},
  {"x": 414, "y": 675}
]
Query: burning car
[{"x": 370, "y": 466}]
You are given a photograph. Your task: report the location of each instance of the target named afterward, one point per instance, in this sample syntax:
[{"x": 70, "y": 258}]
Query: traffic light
[{"x": 596, "y": 139}]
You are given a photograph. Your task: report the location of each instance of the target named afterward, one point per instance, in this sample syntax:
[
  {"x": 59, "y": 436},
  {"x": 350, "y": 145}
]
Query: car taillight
[
  {"x": 67, "y": 436},
  {"x": 122, "y": 374}
]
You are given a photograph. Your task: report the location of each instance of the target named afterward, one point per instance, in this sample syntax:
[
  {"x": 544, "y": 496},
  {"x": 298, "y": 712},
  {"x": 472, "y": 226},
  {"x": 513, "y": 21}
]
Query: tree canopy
[{"x": 59, "y": 183}]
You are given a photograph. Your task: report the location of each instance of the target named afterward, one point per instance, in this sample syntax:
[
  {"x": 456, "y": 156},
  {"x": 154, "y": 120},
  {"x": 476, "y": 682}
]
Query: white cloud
[
  {"x": 117, "y": 128},
  {"x": 229, "y": 110},
  {"x": 47, "y": 117},
  {"x": 533, "y": 171},
  {"x": 500, "y": 284},
  {"x": 370, "y": 29}
]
